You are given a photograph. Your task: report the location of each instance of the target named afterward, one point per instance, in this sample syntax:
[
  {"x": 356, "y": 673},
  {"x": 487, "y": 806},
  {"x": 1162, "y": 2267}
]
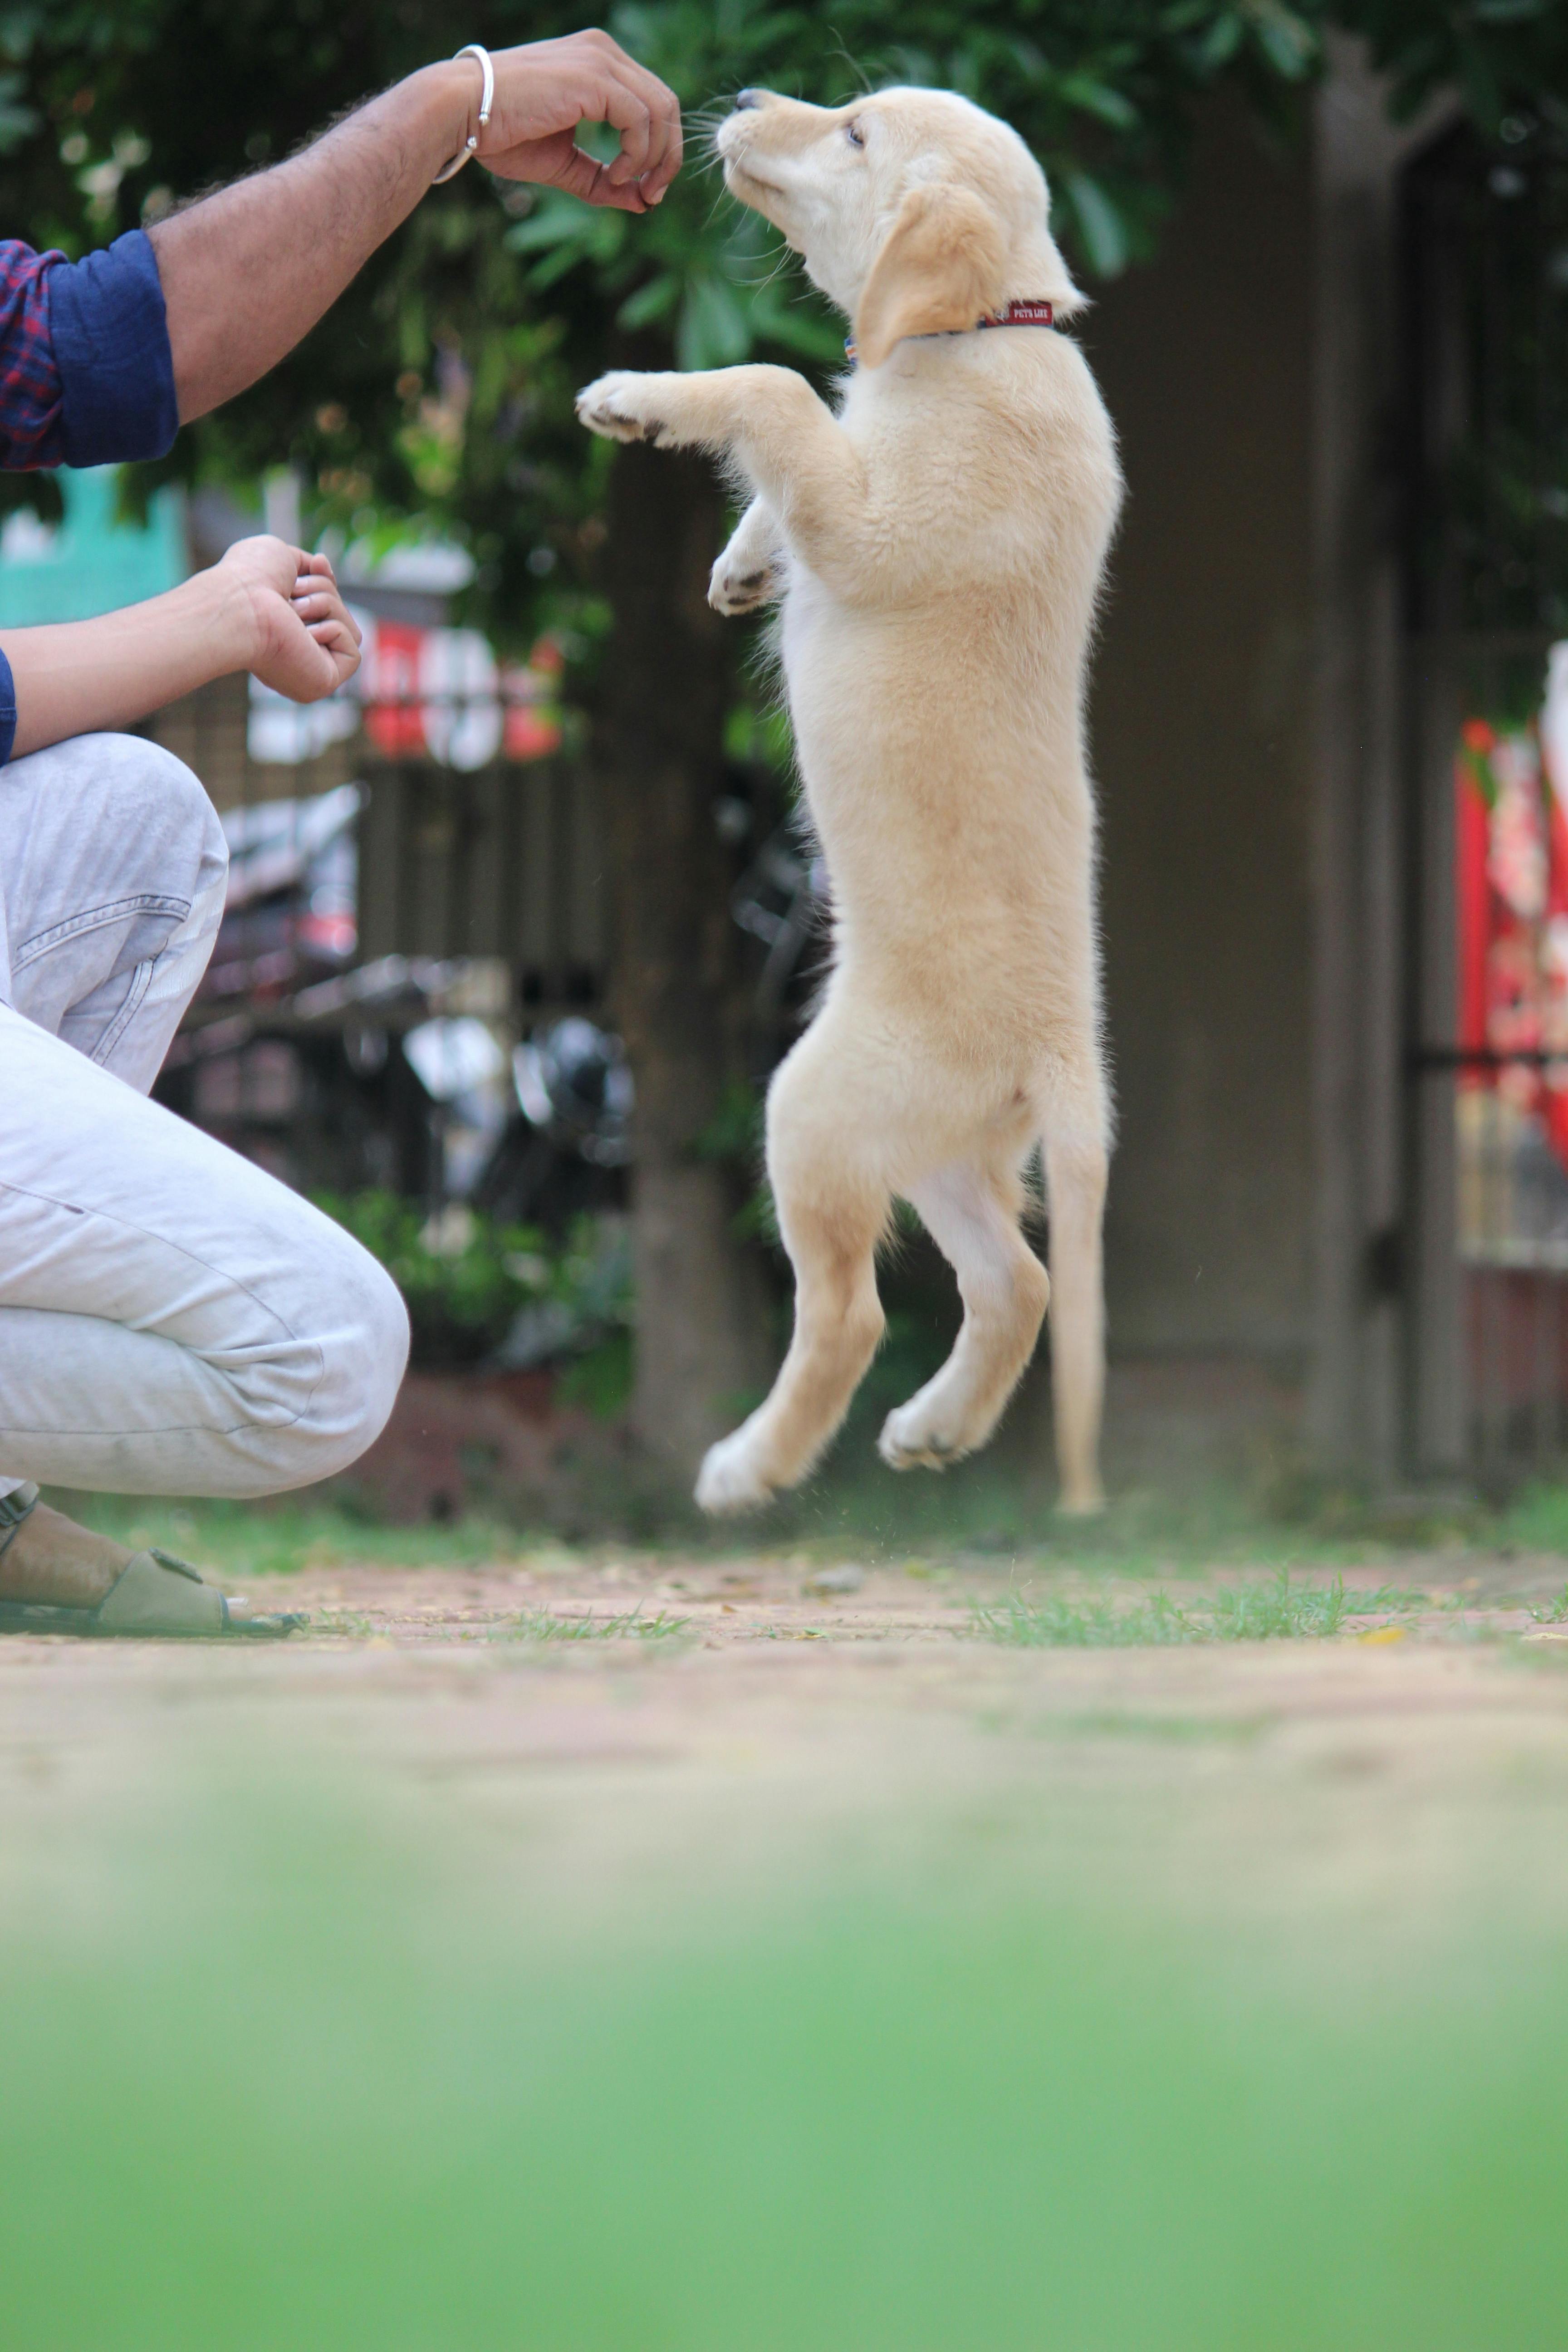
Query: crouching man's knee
[
  {"x": 168, "y": 840},
  {"x": 320, "y": 1396},
  {"x": 364, "y": 1347}
]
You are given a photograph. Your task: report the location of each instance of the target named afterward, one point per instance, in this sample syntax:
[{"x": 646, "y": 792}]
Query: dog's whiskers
[{"x": 760, "y": 285}]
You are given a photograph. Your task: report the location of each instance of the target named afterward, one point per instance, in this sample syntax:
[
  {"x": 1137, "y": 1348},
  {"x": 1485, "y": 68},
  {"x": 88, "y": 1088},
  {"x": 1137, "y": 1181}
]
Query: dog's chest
[{"x": 822, "y": 649}]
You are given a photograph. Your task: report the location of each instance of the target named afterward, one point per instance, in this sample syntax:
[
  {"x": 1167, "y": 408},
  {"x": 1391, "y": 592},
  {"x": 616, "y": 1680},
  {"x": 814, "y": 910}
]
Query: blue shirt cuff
[
  {"x": 7, "y": 711},
  {"x": 112, "y": 347}
]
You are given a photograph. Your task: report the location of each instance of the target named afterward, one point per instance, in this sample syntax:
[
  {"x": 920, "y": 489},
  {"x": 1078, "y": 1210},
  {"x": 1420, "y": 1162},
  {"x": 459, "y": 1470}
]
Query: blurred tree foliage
[
  {"x": 439, "y": 390},
  {"x": 1499, "y": 55}
]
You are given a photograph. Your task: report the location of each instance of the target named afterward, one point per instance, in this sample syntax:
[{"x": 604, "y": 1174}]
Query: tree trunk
[{"x": 703, "y": 1337}]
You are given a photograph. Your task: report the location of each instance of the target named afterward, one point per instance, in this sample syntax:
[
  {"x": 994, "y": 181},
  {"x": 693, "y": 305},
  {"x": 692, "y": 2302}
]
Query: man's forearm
[
  {"x": 248, "y": 272},
  {"x": 82, "y": 678}
]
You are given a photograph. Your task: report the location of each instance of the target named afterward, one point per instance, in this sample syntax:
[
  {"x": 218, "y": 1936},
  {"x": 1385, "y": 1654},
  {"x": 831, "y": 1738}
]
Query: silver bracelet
[{"x": 487, "y": 100}]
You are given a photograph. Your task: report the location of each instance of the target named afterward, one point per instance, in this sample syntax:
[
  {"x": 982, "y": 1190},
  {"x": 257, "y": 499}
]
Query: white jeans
[{"x": 171, "y": 1320}]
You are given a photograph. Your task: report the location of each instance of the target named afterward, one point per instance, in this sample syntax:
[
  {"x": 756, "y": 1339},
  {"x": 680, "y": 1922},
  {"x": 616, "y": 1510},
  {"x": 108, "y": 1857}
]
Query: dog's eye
[{"x": 856, "y": 136}]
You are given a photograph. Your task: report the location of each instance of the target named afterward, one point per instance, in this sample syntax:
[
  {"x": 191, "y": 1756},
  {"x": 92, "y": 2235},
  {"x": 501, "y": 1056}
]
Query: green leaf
[
  {"x": 1093, "y": 97},
  {"x": 1222, "y": 43},
  {"x": 1289, "y": 44},
  {"x": 1099, "y": 224},
  {"x": 556, "y": 266},
  {"x": 713, "y": 331},
  {"x": 19, "y": 28},
  {"x": 541, "y": 232},
  {"x": 17, "y": 120},
  {"x": 779, "y": 314},
  {"x": 654, "y": 301},
  {"x": 593, "y": 232}
]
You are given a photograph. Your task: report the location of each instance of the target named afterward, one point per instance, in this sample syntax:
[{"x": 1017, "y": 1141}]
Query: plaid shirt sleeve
[
  {"x": 30, "y": 393},
  {"x": 87, "y": 377},
  {"x": 86, "y": 374}
]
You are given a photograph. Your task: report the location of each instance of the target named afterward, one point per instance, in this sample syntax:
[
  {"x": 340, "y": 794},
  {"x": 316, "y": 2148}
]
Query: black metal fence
[{"x": 369, "y": 896}]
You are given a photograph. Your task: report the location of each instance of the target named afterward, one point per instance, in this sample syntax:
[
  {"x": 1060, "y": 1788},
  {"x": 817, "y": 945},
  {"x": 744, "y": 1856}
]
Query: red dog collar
[
  {"x": 1014, "y": 314},
  {"x": 1024, "y": 314}
]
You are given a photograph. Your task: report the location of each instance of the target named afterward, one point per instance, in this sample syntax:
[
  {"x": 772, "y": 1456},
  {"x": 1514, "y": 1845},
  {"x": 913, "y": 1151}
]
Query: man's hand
[
  {"x": 547, "y": 89},
  {"x": 249, "y": 270},
  {"x": 299, "y": 637},
  {"x": 265, "y": 608}
]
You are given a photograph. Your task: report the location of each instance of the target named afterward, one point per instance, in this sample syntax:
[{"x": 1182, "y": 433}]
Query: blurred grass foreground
[{"x": 274, "y": 2086}]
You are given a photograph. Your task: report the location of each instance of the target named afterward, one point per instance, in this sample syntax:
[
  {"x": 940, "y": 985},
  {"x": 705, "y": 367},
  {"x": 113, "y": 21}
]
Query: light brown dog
[{"x": 937, "y": 545}]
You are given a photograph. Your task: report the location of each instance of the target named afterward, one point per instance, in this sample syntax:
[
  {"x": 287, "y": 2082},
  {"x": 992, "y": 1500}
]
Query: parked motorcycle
[{"x": 564, "y": 1152}]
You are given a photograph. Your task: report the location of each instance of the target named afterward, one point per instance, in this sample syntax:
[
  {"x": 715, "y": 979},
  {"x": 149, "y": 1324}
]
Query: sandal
[{"x": 154, "y": 1595}]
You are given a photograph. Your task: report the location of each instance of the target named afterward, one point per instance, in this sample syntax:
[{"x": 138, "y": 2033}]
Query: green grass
[
  {"x": 1537, "y": 1519},
  {"x": 279, "y": 1539},
  {"x": 1177, "y": 1730},
  {"x": 979, "y": 1510},
  {"x": 1142, "y": 1534},
  {"x": 1279, "y": 1611},
  {"x": 630, "y": 1625},
  {"x": 989, "y": 1505},
  {"x": 272, "y": 2085}
]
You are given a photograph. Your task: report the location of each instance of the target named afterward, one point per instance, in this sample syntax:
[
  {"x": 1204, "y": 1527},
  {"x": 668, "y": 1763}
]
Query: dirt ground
[{"x": 760, "y": 1716}]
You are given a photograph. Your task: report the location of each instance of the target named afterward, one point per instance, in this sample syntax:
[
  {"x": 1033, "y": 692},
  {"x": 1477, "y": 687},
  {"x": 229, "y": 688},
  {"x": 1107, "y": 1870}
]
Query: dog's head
[{"x": 916, "y": 212}]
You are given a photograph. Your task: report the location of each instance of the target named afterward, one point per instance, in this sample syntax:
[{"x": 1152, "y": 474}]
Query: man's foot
[
  {"x": 58, "y": 1578},
  {"x": 51, "y": 1559}
]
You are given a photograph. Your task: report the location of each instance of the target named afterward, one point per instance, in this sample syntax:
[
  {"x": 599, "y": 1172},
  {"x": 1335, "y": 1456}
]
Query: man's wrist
[
  {"x": 449, "y": 96},
  {"x": 221, "y": 609}
]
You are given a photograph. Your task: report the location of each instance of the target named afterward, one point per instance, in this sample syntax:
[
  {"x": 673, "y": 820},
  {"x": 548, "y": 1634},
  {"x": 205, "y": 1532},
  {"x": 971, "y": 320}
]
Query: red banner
[{"x": 1511, "y": 869}]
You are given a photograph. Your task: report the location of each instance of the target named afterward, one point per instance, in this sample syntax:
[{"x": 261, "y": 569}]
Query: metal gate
[{"x": 1485, "y": 463}]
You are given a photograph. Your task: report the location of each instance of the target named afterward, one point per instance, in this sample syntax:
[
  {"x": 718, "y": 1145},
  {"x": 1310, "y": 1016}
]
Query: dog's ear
[{"x": 942, "y": 267}]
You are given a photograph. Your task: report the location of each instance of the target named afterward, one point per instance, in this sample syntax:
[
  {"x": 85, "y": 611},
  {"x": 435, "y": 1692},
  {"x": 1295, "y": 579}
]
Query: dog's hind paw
[
  {"x": 913, "y": 1439},
  {"x": 1086, "y": 1500},
  {"x": 730, "y": 1479},
  {"x": 732, "y": 590},
  {"x": 616, "y": 407}
]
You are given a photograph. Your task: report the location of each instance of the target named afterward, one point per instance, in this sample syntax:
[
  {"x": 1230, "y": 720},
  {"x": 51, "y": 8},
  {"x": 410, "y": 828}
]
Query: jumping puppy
[{"x": 938, "y": 547}]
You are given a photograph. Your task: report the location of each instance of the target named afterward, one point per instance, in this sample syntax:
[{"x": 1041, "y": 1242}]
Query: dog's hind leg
[
  {"x": 832, "y": 1208},
  {"x": 1076, "y": 1161},
  {"x": 971, "y": 1211}
]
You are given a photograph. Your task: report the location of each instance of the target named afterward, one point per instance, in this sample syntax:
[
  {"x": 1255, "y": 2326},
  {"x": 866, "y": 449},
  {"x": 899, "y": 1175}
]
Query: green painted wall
[{"x": 94, "y": 563}]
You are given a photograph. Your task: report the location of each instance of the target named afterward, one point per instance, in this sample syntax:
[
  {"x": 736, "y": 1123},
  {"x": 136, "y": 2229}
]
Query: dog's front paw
[
  {"x": 731, "y": 1478},
  {"x": 737, "y": 588},
  {"x": 620, "y": 406}
]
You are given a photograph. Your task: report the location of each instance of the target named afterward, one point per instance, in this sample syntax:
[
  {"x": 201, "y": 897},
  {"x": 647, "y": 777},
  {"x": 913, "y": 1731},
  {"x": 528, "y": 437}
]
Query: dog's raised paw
[
  {"x": 614, "y": 406},
  {"x": 731, "y": 591},
  {"x": 730, "y": 1479}
]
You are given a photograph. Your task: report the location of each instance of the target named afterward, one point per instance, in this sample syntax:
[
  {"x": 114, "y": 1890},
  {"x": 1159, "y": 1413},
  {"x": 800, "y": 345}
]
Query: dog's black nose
[{"x": 747, "y": 98}]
